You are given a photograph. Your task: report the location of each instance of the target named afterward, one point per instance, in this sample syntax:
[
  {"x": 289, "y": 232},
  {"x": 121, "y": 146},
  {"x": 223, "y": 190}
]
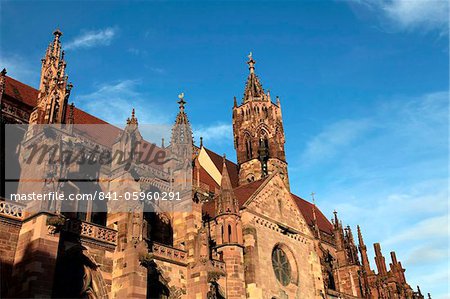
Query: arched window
[{"x": 229, "y": 233}]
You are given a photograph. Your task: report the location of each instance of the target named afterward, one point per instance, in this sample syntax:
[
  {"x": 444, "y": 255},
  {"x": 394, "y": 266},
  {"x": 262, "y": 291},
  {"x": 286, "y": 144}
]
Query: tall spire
[
  {"x": 226, "y": 201},
  {"x": 54, "y": 89},
  {"x": 253, "y": 88},
  {"x": 352, "y": 252},
  {"x": 251, "y": 63},
  {"x": 181, "y": 139},
  {"x": 363, "y": 251},
  {"x": 316, "y": 226},
  {"x": 182, "y": 116}
]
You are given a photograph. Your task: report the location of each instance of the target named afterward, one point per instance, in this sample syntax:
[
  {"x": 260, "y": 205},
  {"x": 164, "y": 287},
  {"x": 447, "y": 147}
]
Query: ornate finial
[
  {"x": 57, "y": 32},
  {"x": 3, "y": 73},
  {"x": 251, "y": 63},
  {"x": 162, "y": 142},
  {"x": 201, "y": 141},
  {"x": 235, "y": 102},
  {"x": 224, "y": 158},
  {"x": 278, "y": 101},
  {"x": 181, "y": 102},
  {"x": 312, "y": 197},
  {"x": 133, "y": 120},
  {"x": 336, "y": 220}
]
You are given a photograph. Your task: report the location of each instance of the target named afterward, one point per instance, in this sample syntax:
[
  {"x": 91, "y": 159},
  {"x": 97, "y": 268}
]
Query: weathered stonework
[{"x": 244, "y": 236}]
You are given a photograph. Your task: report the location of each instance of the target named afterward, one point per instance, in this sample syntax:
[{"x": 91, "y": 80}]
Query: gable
[{"x": 274, "y": 202}]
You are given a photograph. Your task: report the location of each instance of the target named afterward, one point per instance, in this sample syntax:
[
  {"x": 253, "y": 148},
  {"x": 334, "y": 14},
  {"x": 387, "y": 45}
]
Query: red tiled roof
[
  {"x": 105, "y": 133},
  {"x": 233, "y": 169},
  {"x": 242, "y": 194},
  {"x": 205, "y": 178},
  {"x": 306, "y": 208},
  {"x": 22, "y": 92}
]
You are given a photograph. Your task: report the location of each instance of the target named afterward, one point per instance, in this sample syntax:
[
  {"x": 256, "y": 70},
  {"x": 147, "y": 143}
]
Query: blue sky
[{"x": 363, "y": 86}]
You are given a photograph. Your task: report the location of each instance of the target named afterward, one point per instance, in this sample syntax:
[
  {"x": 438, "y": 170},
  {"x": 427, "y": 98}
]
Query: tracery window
[{"x": 281, "y": 266}]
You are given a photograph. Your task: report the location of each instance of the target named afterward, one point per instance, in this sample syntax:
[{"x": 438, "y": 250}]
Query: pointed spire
[
  {"x": 225, "y": 183},
  {"x": 278, "y": 101},
  {"x": 235, "y": 102},
  {"x": 316, "y": 226},
  {"x": 226, "y": 201},
  {"x": 56, "y": 45},
  {"x": 253, "y": 88},
  {"x": 133, "y": 120},
  {"x": 336, "y": 219},
  {"x": 360, "y": 237},
  {"x": 363, "y": 251},
  {"x": 181, "y": 138},
  {"x": 181, "y": 117},
  {"x": 54, "y": 89},
  {"x": 201, "y": 141},
  {"x": 251, "y": 63},
  {"x": 182, "y": 102}
]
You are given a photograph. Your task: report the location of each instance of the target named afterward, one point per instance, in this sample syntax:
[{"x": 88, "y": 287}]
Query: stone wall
[{"x": 9, "y": 235}]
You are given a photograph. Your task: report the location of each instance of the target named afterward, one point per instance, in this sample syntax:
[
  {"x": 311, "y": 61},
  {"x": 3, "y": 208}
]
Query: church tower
[
  {"x": 258, "y": 132},
  {"x": 54, "y": 89}
]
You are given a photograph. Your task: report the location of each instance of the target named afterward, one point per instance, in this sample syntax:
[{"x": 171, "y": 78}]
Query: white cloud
[
  {"x": 218, "y": 133},
  {"x": 429, "y": 228},
  {"x": 89, "y": 39},
  {"x": 114, "y": 101},
  {"x": 411, "y": 14},
  {"x": 390, "y": 177},
  {"x": 332, "y": 139}
]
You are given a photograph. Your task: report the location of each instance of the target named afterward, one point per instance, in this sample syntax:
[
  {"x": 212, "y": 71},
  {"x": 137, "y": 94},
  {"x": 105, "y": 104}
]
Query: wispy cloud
[
  {"x": 218, "y": 134},
  {"x": 114, "y": 101},
  {"x": 333, "y": 138},
  {"x": 94, "y": 38},
  {"x": 388, "y": 172},
  {"x": 411, "y": 14}
]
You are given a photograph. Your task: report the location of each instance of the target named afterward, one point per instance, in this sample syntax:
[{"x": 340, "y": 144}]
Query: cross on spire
[
  {"x": 181, "y": 102},
  {"x": 251, "y": 63}
]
